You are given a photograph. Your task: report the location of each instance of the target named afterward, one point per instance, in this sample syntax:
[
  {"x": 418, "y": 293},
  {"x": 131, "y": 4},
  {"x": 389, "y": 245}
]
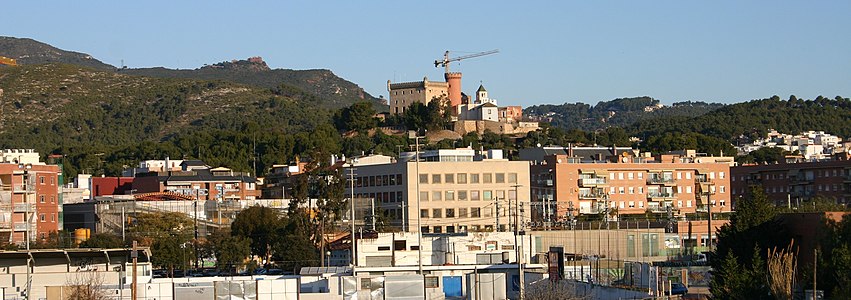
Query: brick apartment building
[
  {"x": 29, "y": 197},
  {"x": 577, "y": 181},
  {"x": 196, "y": 179},
  {"x": 791, "y": 182}
]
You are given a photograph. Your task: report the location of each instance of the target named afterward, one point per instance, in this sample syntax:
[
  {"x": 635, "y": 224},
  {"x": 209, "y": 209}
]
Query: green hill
[
  {"x": 620, "y": 112},
  {"x": 32, "y": 52},
  {"x": 106, "y": 121},
  {"x": 334, "y": 91},
  {"x": 754, "y": 118}
]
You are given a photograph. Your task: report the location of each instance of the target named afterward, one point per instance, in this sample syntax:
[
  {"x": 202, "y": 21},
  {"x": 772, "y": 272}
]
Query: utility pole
[
  {"x": 28, "y": 224},
  {"x": 352, "y": 220},
  {"x": 195, "y": 213},
  {"x": 135, "y": 255},
  {"x": 517, "y": 247}
]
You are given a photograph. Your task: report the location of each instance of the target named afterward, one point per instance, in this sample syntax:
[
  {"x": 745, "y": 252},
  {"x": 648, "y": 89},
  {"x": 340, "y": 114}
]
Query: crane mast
[{"x": 446, "y": 60}]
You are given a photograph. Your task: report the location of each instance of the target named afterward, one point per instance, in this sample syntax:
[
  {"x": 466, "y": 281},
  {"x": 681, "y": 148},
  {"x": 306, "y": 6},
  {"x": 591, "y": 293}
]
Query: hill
[
  {"x": 329, "y": 89},
  {"x": 620, "y": 112},
  {"x": 106, "y": 121},
  {"x": 753, "y": 119},
  {"x": 335, "y": 92},
  {"x": 32, "y": 52}
]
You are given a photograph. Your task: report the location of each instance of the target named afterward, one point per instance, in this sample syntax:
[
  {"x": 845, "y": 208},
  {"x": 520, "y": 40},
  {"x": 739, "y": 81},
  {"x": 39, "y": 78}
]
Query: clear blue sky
[{"x": 551, "y": 51}]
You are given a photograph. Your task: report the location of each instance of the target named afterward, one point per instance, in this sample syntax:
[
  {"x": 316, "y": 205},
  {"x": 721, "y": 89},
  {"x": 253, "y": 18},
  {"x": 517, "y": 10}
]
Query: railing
[
  {"x": 20, "y": 188},
  {"x": 22, "y": 207},
  {"x": 591, "y": 181},
  {"x": 23, "y": 227},
  {"x": 5, "y": 224},
  {"x": 659, "y": 180},
  {"x": 660, "y": 195},
  {"x": 593, "y": 196}
]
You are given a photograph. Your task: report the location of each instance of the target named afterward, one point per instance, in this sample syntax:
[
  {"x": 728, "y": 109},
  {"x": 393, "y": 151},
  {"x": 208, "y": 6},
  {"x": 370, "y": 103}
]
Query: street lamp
[{"x": 517, "y": 232}]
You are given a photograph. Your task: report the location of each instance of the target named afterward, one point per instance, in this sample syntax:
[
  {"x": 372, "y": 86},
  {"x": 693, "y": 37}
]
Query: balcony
[
  {"x": 22, "y": 207},
  {"x": 664, "y": 180},
  {"x": 592, "y": 182},
  {"x": 660, "y": 207},
  {"x": 592, "y": 210},
  {"x": 20, "y": 188},
  {"x": 660, "y": 195},
  {"x": 23, "y": 227},
  {"x": 593, "y": 196}
]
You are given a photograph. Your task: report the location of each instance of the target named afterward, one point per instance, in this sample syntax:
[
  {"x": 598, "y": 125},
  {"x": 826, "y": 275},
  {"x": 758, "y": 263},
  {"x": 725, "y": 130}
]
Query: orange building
[
  {"x": 29, "y": 197},
  {"x": 575, "y": 181}
]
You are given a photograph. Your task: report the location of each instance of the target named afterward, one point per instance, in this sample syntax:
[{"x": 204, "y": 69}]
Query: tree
[
  {"x": 360, "y": 116},
  {"x": 151, "y": 227},
  {"x": 229, "y": 250},
  {"x": 103, "y": 240},
  {"x": 171, "y": 252},
  {"x": 738, "y": 264},
  {"x": 260, "y": 224},
  {"x": 86, "y": 286},
  {"x": 294, "y": 247}
]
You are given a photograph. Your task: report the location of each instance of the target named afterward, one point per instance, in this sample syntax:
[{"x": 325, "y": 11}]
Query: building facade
[
  {"x": 197, "y": 180},
  {"x": 29, "y": 198},
  {"x": 790, "y": 184},
  {"x": 457, "y": 190},
  {"x": 405, "y": 94},
  {"x": 611, "y": 182}
]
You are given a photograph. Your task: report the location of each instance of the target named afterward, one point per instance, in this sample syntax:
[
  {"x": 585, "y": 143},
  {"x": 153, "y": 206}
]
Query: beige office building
[{"x": 458, "y": 190}]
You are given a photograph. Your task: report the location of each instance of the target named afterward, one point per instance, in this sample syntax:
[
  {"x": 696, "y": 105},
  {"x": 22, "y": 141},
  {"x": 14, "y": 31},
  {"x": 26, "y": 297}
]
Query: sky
[{"x": 550, "y": 51}]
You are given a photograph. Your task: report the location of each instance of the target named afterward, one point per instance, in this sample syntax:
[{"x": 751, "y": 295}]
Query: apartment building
[
  {"x": 448, "y": 190},
  {"x": 29, "y": 197},
  {"x": 791, "y": 183},
  {"x": 608, "y": 181},
  {"x": 198, "y": 180}
]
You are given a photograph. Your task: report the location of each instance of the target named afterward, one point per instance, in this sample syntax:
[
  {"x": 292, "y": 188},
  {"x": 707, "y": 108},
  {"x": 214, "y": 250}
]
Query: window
[
  {"x": 641, "y": 204},
  {"x": 474, "y": 178},
  {"x": 400, "y": 245},
  {"x": 450, "y": 229},
  {"x": 611, "y": 190},
  {"x": 435, "y": 178},
  {"x": 631, "y": 204},
  {"x": 41, "y": 179},
  {"x": 462, "y": 195},
  {"x": 620, "y": 190},
  {"x": 436, "y": 196},
  {"x": 722, "y": 189},
  {"x": 631, "y": 189},
  {"x": 711, "y": 175},
  {"x": 450, "y": 195},
  {"x": 512, "y": 177},
  {"x": 383, "y": 248},
  {"x": 423, "y": 196},
  {"x": 640, "y": 175},
  {"x": 462, "y": 178},
  {"x": 688, "y": 175},
  {"x": 487, "y": 178},
  {"x": 488, "y": 195},
  {"x": 641, "y": 189},
  {"x": 450, "y": 212},
  {"x": 423, "y": 213},
  {"x": 622, "y": 204},
  {"x": 423, "y": 229},
  {"x": 474, "y": 195},
  {"x": 679, "y": 175},
  {"x": 424, "y": 178},
  {"x": 462, "y": 213},
  {"x": 688, "y": 203},
  {"x": 475, "y": 212},
  {"x": 438, "y": 229},
  {"x": 432, "y": 281},
  {"x": 500, "y": 177},
  {"x": 688, "y": 189},
  {"x": 41, "y": 199},
  {"x": 629, "y": 176},
  {"x": 620, "y": 175},
  {"x": 721, "y": 175},
  {"x": 53, "y": 180},
  {"x": 437, "y": 213},
  {"x": 41, "y": 216},
  {"x": 512, "y": 195},
  {"x": 612, "y": 176},
  {"x": 449, "y": 178},
  {"x": 52, "y": 199}
]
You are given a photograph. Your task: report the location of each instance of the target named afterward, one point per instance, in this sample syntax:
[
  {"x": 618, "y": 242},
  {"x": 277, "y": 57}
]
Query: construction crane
[
  {"x": 8, "y": 61},
  {"x": 446, "y": 60}
]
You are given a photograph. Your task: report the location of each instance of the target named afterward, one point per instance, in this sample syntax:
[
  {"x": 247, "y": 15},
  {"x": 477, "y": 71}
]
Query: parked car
[
  {"x": 678, "y": 289},
  {"x": 275, "y": 272}
]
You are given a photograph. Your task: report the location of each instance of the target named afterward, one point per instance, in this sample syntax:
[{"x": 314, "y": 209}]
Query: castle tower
[{"x": 454, "y": 81}]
